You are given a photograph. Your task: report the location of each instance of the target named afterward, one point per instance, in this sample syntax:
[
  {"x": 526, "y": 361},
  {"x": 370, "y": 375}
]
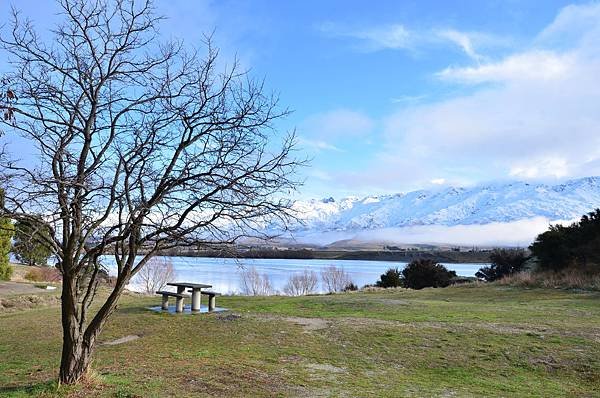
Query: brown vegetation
[{"x": 569, "y": 278}]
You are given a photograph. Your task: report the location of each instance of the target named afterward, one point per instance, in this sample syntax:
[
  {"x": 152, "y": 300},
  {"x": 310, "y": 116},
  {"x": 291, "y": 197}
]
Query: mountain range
[{"x": 505, "y": 202}]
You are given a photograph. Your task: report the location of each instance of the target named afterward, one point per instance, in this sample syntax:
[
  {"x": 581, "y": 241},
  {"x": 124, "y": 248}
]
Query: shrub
[
  {"x": 255, "y": 284},
  {"x": 335, "y": 279},
  {"x": 43, "y": 274},
  {"x": 155, "y": 274},
  {"x": 34, "y": 275},
  {"x": 571, "y": 278},
  {"x": 301, "y": 284},
  {"x": 504, "y": 262},
  {"x": 575, "y": 245},
  {"x": 426, "y": 273},
  {"x": 351, "y": 287},
  {"x": 391, "y": 278},
  {"x": 6, "y": 233}
]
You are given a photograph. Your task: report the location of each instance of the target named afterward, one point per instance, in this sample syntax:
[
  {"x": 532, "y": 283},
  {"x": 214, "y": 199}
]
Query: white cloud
[
  {"x": 517, "y": 233},
  {"x": 544, "y": 167},
  {"x": 573, "y": 23},
  {"x": 318, "y": 145},
  {"x": 535, "y": 64},
  {"x": 463, "y": 40},
  {"x": 399, "y": 37},
  {"x": 536, "y": 116},
  {"x": 394, "y": 36}
]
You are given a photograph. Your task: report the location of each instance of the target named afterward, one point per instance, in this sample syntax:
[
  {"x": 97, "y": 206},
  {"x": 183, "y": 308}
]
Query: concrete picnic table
[{"x": 196, "y": 291}]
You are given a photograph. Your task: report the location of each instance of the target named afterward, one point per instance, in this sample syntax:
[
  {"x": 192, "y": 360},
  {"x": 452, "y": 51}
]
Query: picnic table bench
[
  {"x": 211, "y": 299},
  {"x": 179, "y": 299}
]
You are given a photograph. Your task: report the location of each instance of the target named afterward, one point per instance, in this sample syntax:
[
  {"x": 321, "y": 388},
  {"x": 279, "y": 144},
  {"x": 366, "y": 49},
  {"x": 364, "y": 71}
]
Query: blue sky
[{"x": 400, "y": 95}]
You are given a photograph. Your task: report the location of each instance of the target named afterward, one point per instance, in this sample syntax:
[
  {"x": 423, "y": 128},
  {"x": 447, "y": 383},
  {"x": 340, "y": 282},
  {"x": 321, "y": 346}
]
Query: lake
[{"x": 224, "y": 273}]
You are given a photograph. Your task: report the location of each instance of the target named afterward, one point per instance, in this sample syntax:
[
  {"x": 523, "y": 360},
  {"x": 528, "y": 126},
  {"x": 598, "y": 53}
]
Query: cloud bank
[
  {"x": 514, "y": 234},
  {"x": 531, "y": 114}
]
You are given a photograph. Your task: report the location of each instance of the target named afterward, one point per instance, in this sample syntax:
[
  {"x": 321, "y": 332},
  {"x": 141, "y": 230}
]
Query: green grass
[{"x": 466, "y": 341}]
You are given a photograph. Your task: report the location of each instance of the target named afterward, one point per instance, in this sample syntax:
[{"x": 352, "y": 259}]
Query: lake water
[{"x": 224, "y": 273}]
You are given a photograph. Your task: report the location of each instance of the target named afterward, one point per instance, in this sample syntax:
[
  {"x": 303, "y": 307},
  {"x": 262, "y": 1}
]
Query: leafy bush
[
  {"x": 504, "y": 262},
  {"x": 426, "y": 273},
  {"x": 564, "y": 246},
  {"x": 391, "y": 278}
]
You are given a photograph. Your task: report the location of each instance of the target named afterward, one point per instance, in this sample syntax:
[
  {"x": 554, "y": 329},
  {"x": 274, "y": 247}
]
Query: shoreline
[{"x": 440, "y": 256}]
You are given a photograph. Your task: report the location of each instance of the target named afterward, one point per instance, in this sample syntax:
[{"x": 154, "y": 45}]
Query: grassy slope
[{"x": 461, "y": 341}]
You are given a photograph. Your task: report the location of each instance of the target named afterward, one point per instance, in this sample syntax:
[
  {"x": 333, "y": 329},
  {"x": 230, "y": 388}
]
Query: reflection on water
[{"x": 224, "y": 273}]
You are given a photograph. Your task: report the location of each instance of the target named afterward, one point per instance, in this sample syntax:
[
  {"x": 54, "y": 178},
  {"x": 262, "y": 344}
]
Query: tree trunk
[
  {"x": 76, "y": 359},
  {"x": 79, "y": 341},
  {"x": 76, "y": 351}
]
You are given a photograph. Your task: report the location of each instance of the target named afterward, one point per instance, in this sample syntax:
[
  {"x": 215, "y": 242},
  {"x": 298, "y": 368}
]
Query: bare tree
[
  {"x": 142, "y": 146},
  {"x": 301, "y": 284},
  {"x": 335, "y": 279},
  {"x": 255, "y": 284},
  {"x": 155, "y": 275}
]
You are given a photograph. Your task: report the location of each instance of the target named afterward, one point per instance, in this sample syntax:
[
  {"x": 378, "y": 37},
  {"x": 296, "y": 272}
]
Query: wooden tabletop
[{"x": 190, "y": 285}]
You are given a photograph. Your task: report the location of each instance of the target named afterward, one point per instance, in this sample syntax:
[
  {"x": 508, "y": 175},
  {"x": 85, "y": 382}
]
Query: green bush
[
  {"x": 391, "y": 278},
  {"x": 575, "y": 245},
  {"x": 504, "y": 262},
  {"x": 350, "y": 287},
  {"x": 6, "y": 232},
  {"x": 426, "y": 273}
]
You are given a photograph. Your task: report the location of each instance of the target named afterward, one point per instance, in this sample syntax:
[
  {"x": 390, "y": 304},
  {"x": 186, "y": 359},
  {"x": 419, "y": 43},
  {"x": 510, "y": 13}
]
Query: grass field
[{"x": 469, "y": 341}]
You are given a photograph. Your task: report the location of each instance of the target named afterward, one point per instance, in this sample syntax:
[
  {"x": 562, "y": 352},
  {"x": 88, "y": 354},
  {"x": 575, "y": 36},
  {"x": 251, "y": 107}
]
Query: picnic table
[{"x": 196, "y": 291}]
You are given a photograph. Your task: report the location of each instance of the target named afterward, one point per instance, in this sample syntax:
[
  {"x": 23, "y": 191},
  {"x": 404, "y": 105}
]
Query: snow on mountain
[{"x": 483, "y": 204}]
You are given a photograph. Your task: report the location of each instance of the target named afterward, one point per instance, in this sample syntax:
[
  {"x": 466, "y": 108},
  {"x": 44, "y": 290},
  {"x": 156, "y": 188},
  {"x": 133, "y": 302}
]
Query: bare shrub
[
  {"x": 335, "y": 279},
  {"x": 255, "y": 284},
  {"x": 43, "y": 274},
  {"x": 301, "y": 284},
  {"x": 155, "y": 275},
  {"x": 33, "y": 275}
]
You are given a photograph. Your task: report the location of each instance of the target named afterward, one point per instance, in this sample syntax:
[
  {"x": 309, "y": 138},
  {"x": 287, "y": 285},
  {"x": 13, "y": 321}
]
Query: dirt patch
[
  {"x": 122, "y": 340},
  {"x": 325, "y": 367},
  {"x": 228, "y": 317},
  {"x": 393, "y": 301},
  {"x": 309, "y": 324}
]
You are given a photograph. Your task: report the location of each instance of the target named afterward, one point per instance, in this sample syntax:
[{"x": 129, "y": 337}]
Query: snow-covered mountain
[{"x": 483, "y": 204}]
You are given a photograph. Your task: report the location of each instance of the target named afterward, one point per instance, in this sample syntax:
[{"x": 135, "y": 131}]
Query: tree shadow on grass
[
  {"x": 143, "y": 309},
  {"x": 27, "y": 390}
]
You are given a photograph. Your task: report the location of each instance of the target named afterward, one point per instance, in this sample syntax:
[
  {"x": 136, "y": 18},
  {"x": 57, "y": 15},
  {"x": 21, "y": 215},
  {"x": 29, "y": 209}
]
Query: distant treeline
[{"x": 374, "y": 255}]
